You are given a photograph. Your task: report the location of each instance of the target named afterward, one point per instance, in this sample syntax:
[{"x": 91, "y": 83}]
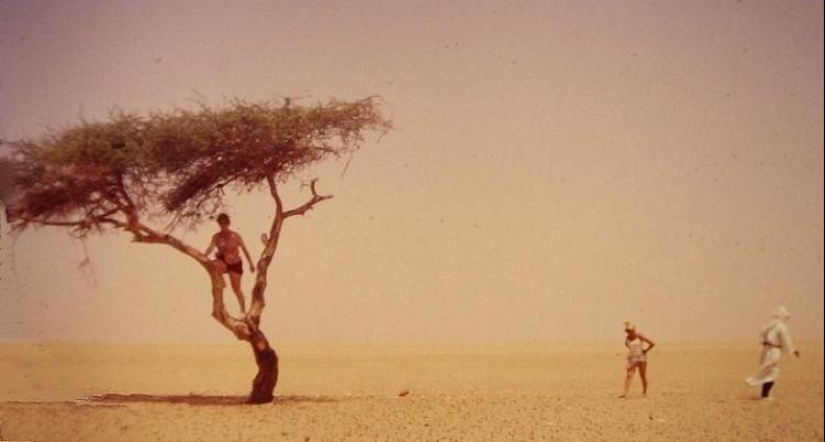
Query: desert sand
[{"x": 399, "y": 392}]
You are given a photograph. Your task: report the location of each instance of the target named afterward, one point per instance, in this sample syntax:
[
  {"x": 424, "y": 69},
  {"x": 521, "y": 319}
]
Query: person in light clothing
[
  {"x": 776, "y": 339},
  {"x": 637, "y": 348}
]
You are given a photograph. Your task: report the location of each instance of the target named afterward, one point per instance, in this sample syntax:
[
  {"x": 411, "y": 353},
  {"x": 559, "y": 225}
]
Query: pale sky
[{"x": 557, "y": 167}]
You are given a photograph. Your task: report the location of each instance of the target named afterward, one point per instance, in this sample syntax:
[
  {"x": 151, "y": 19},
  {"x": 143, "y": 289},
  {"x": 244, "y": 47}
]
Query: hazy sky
[{"x": 558, "y": 167}]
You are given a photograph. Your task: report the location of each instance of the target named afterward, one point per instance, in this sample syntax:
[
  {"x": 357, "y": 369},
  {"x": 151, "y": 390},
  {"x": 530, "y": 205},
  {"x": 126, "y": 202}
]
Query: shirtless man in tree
[{"x": 228, "y": 259}]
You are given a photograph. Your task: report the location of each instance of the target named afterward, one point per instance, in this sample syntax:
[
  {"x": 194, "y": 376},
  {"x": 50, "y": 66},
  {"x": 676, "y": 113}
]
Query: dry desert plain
[{"x": 403, "y": 392}]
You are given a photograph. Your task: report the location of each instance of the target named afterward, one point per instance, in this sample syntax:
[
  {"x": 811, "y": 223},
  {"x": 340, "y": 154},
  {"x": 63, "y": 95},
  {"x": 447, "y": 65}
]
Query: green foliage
[{"x": 178, "y": 163}]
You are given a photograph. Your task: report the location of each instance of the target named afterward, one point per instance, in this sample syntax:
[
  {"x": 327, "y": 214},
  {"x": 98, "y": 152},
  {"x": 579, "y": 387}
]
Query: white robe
[{"x": 778, "y": 337}]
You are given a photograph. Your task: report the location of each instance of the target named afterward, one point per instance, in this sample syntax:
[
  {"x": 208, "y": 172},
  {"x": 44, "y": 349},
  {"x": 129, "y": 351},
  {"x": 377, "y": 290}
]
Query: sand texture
[{"x": 541, "y": 392}]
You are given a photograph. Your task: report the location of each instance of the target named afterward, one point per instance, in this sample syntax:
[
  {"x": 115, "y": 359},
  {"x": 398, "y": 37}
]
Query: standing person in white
[
  {"x": 637, "y": 348},
  {"x": 776, "y": 339}
]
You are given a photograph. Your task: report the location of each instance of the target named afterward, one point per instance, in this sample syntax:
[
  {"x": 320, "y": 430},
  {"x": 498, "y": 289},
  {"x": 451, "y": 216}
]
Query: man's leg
[
  {"x": 766, "y": 389},
  {"x": 235, "y": 279}
]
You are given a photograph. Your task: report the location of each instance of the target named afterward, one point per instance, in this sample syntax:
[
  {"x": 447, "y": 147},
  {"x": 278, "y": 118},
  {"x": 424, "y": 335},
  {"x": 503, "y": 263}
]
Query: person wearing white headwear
[
  {"x": 776, "y": 339},
  {"x": 638, "y": 346}
]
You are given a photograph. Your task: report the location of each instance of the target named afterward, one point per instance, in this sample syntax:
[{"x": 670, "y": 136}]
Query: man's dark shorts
[{"x": 234, "y": 268}]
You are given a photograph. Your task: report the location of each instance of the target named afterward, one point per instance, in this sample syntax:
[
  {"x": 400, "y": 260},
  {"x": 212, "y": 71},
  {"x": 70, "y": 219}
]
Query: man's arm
[{"x": 211, "y": 246}]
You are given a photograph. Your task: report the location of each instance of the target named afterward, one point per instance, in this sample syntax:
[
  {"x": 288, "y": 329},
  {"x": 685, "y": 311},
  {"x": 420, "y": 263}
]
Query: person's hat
[{"x": 781, "y": 312}]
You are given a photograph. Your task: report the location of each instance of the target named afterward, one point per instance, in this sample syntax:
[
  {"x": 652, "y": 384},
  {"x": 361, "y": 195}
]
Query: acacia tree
[{"x": 148, "y": 176}]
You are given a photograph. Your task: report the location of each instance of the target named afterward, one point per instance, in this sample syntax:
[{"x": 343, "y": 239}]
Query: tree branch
[
  {"x": 271, "y": 245},
  {"x": 273, "y": 191},
  {"x": 79, "y": 226},
  {"x": 301, "y": 210},
  {"x": 147, "y": 235}
]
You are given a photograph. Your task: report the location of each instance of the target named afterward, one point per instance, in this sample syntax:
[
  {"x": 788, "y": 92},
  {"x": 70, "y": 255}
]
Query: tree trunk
[
  {"x": 267, "y": 378},
  {"x": 247, "y": 330}
]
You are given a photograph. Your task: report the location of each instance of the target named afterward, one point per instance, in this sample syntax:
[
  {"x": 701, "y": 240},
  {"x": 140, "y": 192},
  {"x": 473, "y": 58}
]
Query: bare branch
[
  {"x": 316, "y": 198},
  {"x": 145, "y": 234},
  {"x": 273, "y": 191}
]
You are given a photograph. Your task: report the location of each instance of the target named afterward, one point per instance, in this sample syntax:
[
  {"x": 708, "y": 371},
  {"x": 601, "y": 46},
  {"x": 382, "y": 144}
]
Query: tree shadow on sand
[{"x": 198, "y": 400}]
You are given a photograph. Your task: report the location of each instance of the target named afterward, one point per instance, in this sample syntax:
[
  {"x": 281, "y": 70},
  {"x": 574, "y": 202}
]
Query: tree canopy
[{"x": 97, "y": 175}]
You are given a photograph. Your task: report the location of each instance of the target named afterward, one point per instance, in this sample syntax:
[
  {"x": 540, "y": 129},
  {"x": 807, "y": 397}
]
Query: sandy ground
[{"x": 543, "y": 392}]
